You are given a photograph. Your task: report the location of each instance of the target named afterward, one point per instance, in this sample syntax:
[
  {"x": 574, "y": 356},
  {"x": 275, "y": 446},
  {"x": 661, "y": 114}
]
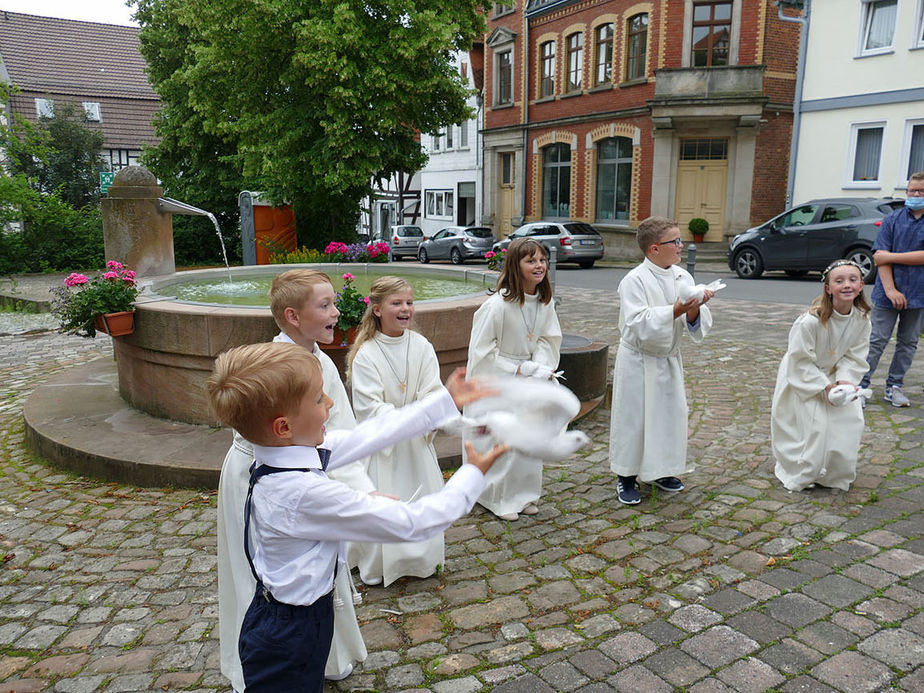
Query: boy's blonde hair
[
  {"x": 291, "y": 289},
  {"x": 253, "y": 384},
  {"x": 651, "y": 229},
  {"x": 381, "y": 288}
]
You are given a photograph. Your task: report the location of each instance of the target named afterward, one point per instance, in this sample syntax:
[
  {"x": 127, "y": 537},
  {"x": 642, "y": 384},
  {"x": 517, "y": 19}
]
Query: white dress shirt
[{"x": 299, "y": 519}]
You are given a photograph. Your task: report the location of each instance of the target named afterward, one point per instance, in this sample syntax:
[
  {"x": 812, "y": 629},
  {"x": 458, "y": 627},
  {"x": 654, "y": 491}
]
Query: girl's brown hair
[
  {"x": 823, "y": 306},
  {"x": 510, "y": 283},
  {"x": 381, "y": 288}
]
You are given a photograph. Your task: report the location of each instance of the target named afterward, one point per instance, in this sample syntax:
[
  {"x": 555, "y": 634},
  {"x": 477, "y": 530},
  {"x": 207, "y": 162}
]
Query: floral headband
[{"x": 840, "y": 263}]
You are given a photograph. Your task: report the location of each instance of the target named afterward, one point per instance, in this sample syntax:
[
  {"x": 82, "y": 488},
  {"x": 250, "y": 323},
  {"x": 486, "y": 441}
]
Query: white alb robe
[
  {"x": 814, "y": 441},
  {"x": 498, "y": 345},
  {"x": 411, "y": 466},
  {"x": 236, "y": 584},
  {"x": 648, "y": 421}
]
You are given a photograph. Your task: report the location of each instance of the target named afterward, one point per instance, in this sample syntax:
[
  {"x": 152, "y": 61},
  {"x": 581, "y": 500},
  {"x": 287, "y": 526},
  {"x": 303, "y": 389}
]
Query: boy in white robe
[
  {"x": 302, "y": 302},
  {"x": 648, "y": 424}
]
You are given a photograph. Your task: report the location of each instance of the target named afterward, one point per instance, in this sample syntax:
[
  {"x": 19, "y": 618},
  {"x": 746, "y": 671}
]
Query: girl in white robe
[
  {"x": 516, "y": 332},
  {"x": 236, "y": 584},
  {"x": 813, "y": 440},
  {"x": 391, "y": 366}
]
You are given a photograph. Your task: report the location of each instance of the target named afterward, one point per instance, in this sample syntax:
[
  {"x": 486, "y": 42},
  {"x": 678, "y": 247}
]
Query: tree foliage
[{"x": 305, "y": 100}]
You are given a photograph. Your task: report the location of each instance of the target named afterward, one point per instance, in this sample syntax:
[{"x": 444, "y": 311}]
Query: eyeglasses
[
  {"x": 674, "y": 241},
  {"x": 916, "y": 192}
]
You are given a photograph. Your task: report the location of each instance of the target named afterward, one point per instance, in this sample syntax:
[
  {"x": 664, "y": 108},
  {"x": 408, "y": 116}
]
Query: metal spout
[{"x": 167, "y": 205}]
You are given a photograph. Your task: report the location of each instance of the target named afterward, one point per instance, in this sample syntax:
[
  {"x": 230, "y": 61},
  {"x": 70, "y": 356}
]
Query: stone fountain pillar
[{"x": 135, "y": 231}]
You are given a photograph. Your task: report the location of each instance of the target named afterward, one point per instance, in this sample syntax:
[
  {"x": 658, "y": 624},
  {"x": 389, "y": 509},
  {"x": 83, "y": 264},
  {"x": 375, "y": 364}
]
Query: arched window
[
  {"x": 556, "y": 181},
  {"x": 604, "y": 54},
  {"x": 547, "y": 70},
  {"x": 636, "y": 45},
  {"x": 575, "y": 61},
  {"x": 614, "y": 178}
]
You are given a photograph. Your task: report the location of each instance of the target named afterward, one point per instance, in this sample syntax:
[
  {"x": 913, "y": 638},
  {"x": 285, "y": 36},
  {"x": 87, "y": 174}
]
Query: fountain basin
[{"x": 163, "y": 365}]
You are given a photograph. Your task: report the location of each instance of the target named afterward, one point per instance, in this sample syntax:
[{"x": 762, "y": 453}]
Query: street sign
[{"x": 105, "y": 180}]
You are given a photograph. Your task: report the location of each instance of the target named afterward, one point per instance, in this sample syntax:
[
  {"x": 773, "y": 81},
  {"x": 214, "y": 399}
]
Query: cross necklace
[
  {"x": 402, "y": 382},
  {"x": 530, "y": 329}
]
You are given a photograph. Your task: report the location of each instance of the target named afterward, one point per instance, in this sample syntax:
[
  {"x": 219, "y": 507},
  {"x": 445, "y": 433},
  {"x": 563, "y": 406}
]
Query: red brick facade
[{"x": 757, "y": 128}]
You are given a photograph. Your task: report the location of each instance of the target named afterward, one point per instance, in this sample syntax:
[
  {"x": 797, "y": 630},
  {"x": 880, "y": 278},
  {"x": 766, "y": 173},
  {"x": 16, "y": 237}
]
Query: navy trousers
[{"x": 284, "y": 648}]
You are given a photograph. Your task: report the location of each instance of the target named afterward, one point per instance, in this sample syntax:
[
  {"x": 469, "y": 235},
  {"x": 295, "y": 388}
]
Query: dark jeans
[
  {"x": 906, "y": 341},
  {"x": 284, "y": 648}
]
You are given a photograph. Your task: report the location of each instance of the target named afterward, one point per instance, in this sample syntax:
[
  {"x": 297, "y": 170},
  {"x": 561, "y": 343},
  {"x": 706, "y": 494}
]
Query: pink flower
[
  {"x": 114, "y": 265},
  {"x": 129, "y": 274},
  {"x": 348, "y": 277},
  {"x": 366, "y": 300},
  {"x": 488, "y": 255},
  {"x": 74, "y": 279},
  {"x": 111, "y": 275}
]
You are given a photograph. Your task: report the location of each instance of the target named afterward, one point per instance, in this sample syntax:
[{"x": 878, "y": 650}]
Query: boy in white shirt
[
  {"x": 648, "y": 424},
  {"x": 295, "y": 522}
]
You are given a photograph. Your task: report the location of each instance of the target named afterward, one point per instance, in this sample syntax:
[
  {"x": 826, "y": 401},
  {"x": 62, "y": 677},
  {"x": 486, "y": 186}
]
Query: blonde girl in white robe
[
  {"x": 516, "y": 332},
  {"x": 390, "y": 367},
  {"x": 307, "y": 326},
  {"x": 813, "y": 440}
]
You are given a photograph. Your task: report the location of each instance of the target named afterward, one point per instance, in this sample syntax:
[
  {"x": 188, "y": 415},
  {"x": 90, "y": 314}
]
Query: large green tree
[{"x": 306, "y": 100}]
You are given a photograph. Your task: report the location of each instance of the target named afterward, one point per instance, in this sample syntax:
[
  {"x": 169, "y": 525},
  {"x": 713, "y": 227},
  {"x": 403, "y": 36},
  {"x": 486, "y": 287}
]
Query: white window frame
[
  {"x": 92, "y": 112},
  {"x": 917, "y": 38},
  {"x": 450, "y": 139},
  {"x": 866, "y": 15},
  {"x": 849, "y": 182},
  {"x": 435, "y": 142},
  {"x": 44, "y": 108},
  {"x": 905, "y": 152},
  {"x": 463, "y": 135},
  {"x": 439, "y": 201}
]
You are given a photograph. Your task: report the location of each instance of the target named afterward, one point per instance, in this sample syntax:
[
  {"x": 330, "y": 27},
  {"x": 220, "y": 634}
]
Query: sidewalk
[{"x": 732, "y": 585}]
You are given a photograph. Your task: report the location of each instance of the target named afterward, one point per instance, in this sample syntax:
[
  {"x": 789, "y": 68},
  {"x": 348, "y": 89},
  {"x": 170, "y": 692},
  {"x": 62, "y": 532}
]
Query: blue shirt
[{"x": 901, "y": 233}]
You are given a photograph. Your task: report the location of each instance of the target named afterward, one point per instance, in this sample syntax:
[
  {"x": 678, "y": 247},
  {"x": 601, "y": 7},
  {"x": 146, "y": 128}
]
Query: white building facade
[
  {"x": 862, "y": 111},
  {"x": 450, "y": 183}
]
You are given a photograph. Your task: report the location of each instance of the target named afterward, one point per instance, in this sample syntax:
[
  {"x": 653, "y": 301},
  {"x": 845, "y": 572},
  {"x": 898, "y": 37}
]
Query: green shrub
[{"x": 698, "y": 226}]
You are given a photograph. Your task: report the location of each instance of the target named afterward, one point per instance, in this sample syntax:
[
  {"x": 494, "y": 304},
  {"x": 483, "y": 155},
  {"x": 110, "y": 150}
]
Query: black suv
[{"x": 809, "y": 237}]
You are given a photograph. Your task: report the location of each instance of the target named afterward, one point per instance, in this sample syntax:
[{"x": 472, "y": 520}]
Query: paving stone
[
  {"x": 796, "y": 610},
  {"x": 694, "y": 618},
  {"x": 899, "y": 562},
  {"x": 826, "y": 637},
  {"x": 805, "y": 684},
  {"x": 593, "y": 664},
  {"x": 530, "y": 683},
  {"x": 661, "y": 632},
  {"x": 758, "y": 626},
  {"x": 837, "y": 591},
  {"x": 898, "y": 648},
  {"x": 469, "y": 684},
  {"x": 675, "y": 667},
  {"x": 790, "y": 656},
  {"x": 851, "y": 671},
  {"x": 728, "y": 601},
  {"x": 751, "y": 676},
  {"x": 710, "y": 686},
  {"x": 627, "y": 647},
  {"x": 403, "y": 676},
  {"x": 638, "y": 678},
  {"x": 718, "y": 646},
  {"x": 563, "y": 676}
]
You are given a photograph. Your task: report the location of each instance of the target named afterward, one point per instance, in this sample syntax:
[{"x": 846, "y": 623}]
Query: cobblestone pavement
[{"x": 732, "y": 585}]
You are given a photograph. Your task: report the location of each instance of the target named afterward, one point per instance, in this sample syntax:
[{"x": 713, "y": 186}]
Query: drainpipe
[
  {"x": 525, "y": 112},
  {"x": 804, "y": 20}
]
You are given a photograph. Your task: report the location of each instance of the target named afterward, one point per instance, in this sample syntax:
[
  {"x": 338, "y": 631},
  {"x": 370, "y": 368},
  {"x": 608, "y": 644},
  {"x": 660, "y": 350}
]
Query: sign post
[{"x": 105, "y": 180}]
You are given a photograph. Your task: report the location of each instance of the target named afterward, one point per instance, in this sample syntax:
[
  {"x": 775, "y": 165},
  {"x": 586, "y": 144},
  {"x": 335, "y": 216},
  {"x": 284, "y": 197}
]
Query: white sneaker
[
  {"x": 342, "y": 675},
  {"x": 895, "y": 395},
  {"x": 529, "y": 509}
]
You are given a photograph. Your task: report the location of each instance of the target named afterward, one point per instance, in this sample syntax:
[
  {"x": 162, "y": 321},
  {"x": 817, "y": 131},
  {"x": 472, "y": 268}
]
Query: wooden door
[{"x": 701, "y": 193}]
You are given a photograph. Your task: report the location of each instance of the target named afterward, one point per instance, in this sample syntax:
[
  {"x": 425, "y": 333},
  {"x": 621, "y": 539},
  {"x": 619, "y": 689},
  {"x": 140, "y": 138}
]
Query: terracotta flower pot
[{"x": 116, "y": 324}]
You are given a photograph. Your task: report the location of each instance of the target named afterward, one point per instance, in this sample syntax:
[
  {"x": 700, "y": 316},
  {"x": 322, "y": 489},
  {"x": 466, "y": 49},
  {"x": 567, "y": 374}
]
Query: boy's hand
[
  {"x": 681, "y": 307},
  {"x": 484, "y": 461},
  {"x": 707, "y": 294},
  {"x": 899, "y": 302},
  {"x": 382, "y": 494},
  {"x": 466, "y": 391},
  {"x": 882, "y": 257}
]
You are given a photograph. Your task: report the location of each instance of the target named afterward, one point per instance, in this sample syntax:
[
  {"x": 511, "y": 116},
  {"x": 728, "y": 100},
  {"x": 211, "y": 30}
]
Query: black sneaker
[
  {"x": 669, "y": 483},
  {"x": 627, "y": 491}
]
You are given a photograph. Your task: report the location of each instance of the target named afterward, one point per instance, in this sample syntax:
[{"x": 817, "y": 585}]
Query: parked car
[
  {"x": 456, "y": 243},
  {"x": 809, "y": 237},
  {"x": 574, "y": 241},
  {"x": 403, "y": 240}
]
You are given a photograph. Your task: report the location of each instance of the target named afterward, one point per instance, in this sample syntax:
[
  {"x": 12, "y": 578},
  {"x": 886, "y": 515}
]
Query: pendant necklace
[
  {"x": 530, "y": 330},
  {"x": 402, "y": 382}
]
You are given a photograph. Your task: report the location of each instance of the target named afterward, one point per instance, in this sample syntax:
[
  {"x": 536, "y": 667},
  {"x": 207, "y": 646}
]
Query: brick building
[
  {"x": 96, "y": 67},
  {"x": 608, "y": 111}
]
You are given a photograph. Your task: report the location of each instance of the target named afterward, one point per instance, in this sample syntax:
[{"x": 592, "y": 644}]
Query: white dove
[
  {"x": 841, "y": 395},
  {"x": 685, "y": 292},
  {"x": 529, "y": 415}
]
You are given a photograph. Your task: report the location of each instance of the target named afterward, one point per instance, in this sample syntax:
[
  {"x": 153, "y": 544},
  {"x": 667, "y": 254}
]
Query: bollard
[{"x": 691, "y": 259}]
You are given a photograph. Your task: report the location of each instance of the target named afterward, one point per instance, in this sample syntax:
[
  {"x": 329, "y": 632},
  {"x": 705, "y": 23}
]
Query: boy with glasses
[
  {"x": 648, "y": 425},
  {"x": 898, "y": 295}
]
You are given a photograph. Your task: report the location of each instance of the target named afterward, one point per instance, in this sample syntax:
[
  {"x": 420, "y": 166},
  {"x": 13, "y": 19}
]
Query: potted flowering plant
[
  {"x": 85, "y": 305},
  {"x": 351, "y": 305},
  {"x": 496, "y": 260}
]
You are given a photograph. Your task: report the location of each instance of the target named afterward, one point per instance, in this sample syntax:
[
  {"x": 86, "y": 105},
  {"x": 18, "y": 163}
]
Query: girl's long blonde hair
[
  {"x": 381, "y": 288},
  {"x": 823, "y": 306},
  {"x": 510, "y": 283}
]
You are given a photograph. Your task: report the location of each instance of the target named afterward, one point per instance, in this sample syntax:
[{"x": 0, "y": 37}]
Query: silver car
[
  {"x": 456, "y": 243},
  {"x": 402, "y": 240},
  {"x": 574, "y": 241}
]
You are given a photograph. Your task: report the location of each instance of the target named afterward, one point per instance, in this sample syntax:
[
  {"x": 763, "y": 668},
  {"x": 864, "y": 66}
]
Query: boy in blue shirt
[{"x": 295, "y": 522}]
